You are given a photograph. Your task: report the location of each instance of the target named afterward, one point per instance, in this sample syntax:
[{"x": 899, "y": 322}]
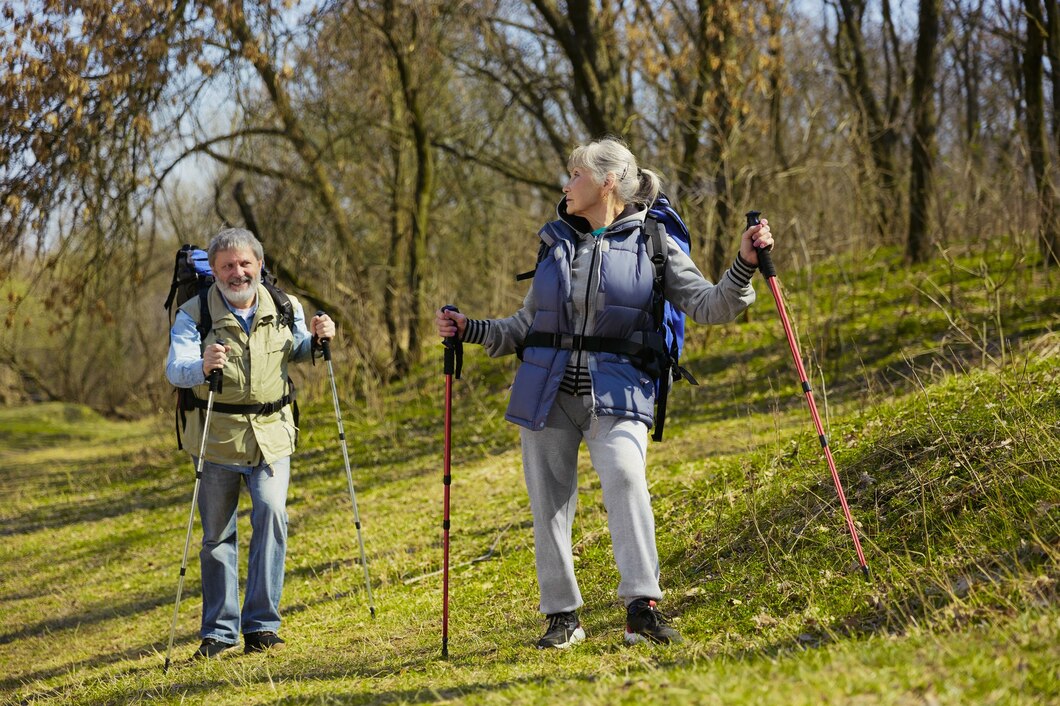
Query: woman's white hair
[{"x": 609, "y": 156}]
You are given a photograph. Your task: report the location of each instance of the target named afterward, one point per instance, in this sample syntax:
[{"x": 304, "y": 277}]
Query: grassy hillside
[{"x": 939, "y": 387}]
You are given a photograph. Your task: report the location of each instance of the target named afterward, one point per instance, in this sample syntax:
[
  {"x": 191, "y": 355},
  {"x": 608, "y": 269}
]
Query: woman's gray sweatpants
[{"x": 617, "y": 449}]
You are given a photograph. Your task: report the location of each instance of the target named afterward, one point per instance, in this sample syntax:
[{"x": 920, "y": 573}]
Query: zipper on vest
[{"x": 585, "y": 322}]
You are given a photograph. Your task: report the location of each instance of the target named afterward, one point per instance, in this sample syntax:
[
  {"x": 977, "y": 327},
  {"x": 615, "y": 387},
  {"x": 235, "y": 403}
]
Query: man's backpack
[
  {"x": 192, "y": 277},
  {"x": 658, "y": 355}
]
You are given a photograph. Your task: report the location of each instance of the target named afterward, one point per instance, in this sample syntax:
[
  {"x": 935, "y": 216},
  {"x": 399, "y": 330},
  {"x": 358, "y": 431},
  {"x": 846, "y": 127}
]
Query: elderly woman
[{"x": 593, "y": 285}]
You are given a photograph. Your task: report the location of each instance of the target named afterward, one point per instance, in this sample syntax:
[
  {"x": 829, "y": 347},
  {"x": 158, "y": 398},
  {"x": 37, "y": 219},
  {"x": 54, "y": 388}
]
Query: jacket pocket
[{"x": 527, "y": 390}]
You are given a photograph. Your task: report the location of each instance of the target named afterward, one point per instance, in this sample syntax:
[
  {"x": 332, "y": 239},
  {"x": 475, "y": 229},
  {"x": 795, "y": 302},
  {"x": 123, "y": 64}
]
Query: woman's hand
[
  {"x": 755, "y": 237},
  {"x": 450, "y": 323}
]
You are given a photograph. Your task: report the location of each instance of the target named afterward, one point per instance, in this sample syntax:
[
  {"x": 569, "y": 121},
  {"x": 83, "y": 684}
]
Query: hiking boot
[
  {"x": 645, "y": 623},
  {"x": 564, "y": 630},
  {"x": 211, "y": 647},
  {"x": 261, "y": 642}
]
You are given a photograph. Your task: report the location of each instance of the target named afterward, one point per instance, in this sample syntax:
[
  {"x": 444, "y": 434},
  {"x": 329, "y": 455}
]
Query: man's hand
[
  {"x": 322, "y": 327},
  {"x": 214, "y": 358}
]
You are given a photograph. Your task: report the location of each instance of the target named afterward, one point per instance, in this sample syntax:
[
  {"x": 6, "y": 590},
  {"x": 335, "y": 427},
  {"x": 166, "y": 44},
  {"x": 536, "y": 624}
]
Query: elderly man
[{"x": 251, "y": 340}]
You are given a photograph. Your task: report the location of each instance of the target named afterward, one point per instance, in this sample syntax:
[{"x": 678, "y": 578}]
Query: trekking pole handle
[
  {"x": 215, "y": 376},
  {"x": 453, "y": 351},
  {"x": 325, "y": 344},
  {"x": 765, "y": 260},
  {"x": 451, "y": 341}
]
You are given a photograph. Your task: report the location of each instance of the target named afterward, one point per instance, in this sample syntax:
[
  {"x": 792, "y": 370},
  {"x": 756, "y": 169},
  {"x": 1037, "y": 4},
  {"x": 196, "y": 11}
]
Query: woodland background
[{"x": 394, "y": 156}]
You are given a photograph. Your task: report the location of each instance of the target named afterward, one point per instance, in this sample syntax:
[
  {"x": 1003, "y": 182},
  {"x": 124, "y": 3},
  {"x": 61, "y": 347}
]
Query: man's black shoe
[
  {"x": 261, "y": 641},
  {"x": 645, "y": 623},
  {"x": 563, "y": 631},
  {"x": 212, "y": 648}
]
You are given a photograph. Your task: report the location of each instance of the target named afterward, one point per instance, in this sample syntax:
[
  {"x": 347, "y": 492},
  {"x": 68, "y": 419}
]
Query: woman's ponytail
[{"x": 650, "y": 185}]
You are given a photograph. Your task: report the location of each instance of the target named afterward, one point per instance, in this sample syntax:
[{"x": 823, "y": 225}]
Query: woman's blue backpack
[{"x": 663, "y": 220}]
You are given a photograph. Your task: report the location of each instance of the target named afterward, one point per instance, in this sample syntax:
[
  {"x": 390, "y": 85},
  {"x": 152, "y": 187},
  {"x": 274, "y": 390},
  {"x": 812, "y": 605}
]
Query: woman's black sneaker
[
  {"x": 564, "y": 630},
  {"x": 212, "y": 648},
  {"x": 645, "y": 623},
  {"x": 261, "y": 641}
]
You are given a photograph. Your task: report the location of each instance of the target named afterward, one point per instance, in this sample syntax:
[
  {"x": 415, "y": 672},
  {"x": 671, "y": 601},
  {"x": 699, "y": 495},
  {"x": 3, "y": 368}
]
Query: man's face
[{"x": 238, "y": 275}]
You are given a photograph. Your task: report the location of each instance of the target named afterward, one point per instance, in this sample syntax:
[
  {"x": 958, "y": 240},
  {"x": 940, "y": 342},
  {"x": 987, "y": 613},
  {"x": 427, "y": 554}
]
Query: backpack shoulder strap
[
  {"x": 176, "y": 276},
  {"x": 656, "y": 243},
  {"x": 205, "y": 322},
  {"x": 542, "y": 251},
  {"x": 549, "y": 234},
  {"x": 284, "y": 308}
]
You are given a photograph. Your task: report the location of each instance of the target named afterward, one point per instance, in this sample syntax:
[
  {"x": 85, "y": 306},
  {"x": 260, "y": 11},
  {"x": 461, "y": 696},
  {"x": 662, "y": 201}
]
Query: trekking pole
[
  {"x": 215, "y": 386},
  {"x": 325, "y": 346},
  {"x": 454, "y": 360},
  {"x": 765, "y": 263}
]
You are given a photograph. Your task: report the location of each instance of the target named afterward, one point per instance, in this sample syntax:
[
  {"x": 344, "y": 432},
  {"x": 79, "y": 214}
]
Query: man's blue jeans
[{"x": 219, "y": 560}]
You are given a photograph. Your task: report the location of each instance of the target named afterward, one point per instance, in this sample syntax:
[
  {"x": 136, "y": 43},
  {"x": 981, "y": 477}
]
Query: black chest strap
[{"x": 632, "y": 346}]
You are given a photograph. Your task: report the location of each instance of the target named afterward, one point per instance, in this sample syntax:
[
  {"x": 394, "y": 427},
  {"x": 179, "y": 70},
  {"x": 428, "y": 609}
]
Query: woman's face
[{"x": 583, "y": 194}]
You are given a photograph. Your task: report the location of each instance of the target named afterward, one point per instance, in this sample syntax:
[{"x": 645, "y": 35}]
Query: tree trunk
[
  {"x": 1052, "y": 45},
  {"x": 393, "y": 303},
  {"x": 921, "y": 173},
  {"x": 776, "y": 82},
  {"x": 720, "y": 49},
  {"x": 878, "y": 116},
  {"x": 1037, "y": 141},
  {"x": 414, "y": 111},
  {"x": 600, "y": 94}
]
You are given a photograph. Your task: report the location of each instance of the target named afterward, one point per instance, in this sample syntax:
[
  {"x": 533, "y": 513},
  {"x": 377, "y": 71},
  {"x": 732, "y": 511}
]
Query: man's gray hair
[{"x": 234, "y": 239}]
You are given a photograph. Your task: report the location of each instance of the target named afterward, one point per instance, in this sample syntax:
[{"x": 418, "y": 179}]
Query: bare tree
[
  {"x": 586, "y": 33},
  {"x": 409, "y": 34},
  {"x": 922, "y": 163},
  {"x": 1052, "y": 52},
  {"x": 878, "y": 100},
  {"x": 1037, "y": 141}
]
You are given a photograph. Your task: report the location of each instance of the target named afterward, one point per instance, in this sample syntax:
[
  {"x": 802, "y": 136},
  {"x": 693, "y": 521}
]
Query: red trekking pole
[
  {"x": 765, "y": 264},
  {"x": 454, "y": 361}
]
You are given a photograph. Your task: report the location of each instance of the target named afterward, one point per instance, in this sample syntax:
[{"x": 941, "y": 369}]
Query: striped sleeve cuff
[
  {"x": 741, "y": 272},
  {"x": 476, "y": 331}
]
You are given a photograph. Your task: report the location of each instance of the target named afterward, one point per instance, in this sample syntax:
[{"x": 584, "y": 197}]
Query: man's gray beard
[{"x": 243, "y": 298}]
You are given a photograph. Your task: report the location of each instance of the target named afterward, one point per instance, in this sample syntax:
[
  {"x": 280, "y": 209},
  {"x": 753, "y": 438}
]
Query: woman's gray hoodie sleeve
[
  {"x": 694, "y": 295},
  {"x": 502, "y": 336}
]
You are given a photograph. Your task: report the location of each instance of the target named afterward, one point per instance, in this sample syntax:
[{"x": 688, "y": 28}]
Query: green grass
[{"x": 942, "y": 405}]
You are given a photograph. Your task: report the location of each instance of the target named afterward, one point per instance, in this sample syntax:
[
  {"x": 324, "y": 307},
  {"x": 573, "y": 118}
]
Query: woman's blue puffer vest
[{"x": 623, "y": 291}]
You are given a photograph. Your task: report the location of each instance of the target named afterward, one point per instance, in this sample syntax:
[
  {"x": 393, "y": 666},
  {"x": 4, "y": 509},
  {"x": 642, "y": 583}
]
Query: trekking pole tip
[{"x": 865, "y": 572}]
